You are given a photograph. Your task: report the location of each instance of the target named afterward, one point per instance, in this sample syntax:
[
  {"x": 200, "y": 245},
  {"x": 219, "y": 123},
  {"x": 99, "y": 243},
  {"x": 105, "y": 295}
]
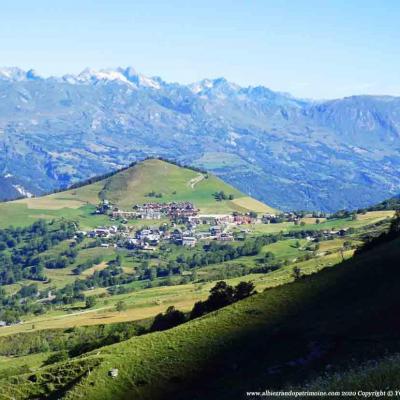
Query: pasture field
[
  {"x": 59, "y": 277},
  {"x": 127, "y": 188},
  {"x": 19, "y": 215},
  {"x": 296, "y": 277},
  {"x": 133, "y": 186},
  {"x": 14, "y": 365},
  {"x": 63, "y": 276},
  {"x": 184, "y": 295},
  {"x": 145, "y": 303},
  {"x": 272, "y": 329},
  {"x": 50, "y": 203},
  {"x": 249, "y": 203},
  {"x": 362, "y": 220}
]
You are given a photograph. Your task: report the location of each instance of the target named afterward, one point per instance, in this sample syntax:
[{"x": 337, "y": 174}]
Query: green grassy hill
[
  {"x": 283, "y": 336},
  {"x": 175, "y": 183},
  {"x": 128, "y": 187}
]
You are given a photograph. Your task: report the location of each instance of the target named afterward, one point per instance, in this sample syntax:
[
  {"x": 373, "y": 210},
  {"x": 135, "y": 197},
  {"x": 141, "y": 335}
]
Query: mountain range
[{"x": 290, "y": 153}]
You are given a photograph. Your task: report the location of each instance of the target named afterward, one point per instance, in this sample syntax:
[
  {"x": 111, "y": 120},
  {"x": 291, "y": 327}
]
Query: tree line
[{"x": 221, "y": 295}]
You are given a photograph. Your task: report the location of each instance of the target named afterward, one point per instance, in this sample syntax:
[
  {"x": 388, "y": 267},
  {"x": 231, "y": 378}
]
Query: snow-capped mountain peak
[
  {"x": 16, "y": 74},
  {"x": 90, "y": 75},
  {"x": 127, "y": 76},
  {"x": 217, "y": 86},
  {"x": 138, "y": 79},
  {"x": 198, "y": 87}
]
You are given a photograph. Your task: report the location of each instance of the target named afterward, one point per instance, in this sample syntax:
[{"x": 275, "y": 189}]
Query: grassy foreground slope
[
  {"x": 285, "y": 334},
  {"x": 128, "y": 187}
]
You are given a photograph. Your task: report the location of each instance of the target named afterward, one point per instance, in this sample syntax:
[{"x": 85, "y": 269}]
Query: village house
[
  {"x": 50, "y": 297},
  {"x": 125, "y": 214},
  {"x": 151, "y": 235},
  {"x": 103, "y": 207},
  {"x": 113, "y": 229},
  {"x": 151, "y": 214},
  {"x": 226, "y": 237},
  {"x": 189, "y": 241},
  {"x": 215, "y": 230},
  {"x": 176, "y": 236},
  {"x": 133, "y": 242},
  {"x": 99, "y": 232},
  {"x": 243, "y": 219},
  {"x": 216, "y": 219},
  {"x": 267, "y": 218},
  {"x": 203, "y": 235},
  {"x": 194, "y": 220},
  {"x": 173, "y": 210}
]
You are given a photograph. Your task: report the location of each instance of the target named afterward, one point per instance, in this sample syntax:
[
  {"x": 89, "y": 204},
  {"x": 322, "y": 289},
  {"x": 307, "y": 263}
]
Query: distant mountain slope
[
  {"x": 290, "y": 153},
  {"x": 152, "y": 180},
  {"x": 8, "y": 191},
  {"x": 389, "y": 204}
]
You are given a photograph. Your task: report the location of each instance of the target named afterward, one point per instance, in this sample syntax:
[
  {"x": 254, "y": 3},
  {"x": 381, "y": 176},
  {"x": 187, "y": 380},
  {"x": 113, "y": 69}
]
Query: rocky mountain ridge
[{"x": 291, "y": 153}]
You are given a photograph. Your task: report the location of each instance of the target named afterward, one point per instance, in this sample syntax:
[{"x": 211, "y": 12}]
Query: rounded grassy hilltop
[{"x": 152, "y": 180}]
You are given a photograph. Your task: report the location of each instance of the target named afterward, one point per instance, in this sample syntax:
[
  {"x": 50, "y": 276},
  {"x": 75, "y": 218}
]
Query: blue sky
[{"x": 318, "y": 49}]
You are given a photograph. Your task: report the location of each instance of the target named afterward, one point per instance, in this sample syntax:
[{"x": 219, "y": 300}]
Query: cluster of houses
[
  {"x": 181, "y": 211},
  {"x": 326, "y": 234},
  {"x": 186, "y": 212},
  {"x": 172, "y": 210},
  {"x": 102, "y": 232},
  {"x": 150, "y": 238},
  {"x": 224, "y": 219},
  {"x": 334, "y": 233},
  {"x": 283, "y": 217},
  {"x": 190, "y": 237}
]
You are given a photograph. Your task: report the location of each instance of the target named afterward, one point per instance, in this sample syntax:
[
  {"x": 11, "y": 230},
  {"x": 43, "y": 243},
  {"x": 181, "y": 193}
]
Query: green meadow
[
  {"x": 313, "y": 297},
  {"x": 127, "y": 188},
  {"x": 272, "y": 329}
]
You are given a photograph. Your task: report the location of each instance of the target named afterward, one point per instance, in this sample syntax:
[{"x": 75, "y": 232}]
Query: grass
[
  {"x": 127, "y": 188},
  {"x": 201, "y": 359},
  {"x": 175, "y": 184},
  {"x": 369, "y": 218},
  {"x": 142, "y": 304},
  {"x": 286, "y": 249},
  {"x": 368, "y": 377},
  {"x": 145, "y": 303},
  {"x": 248, "y": 203},
  {"x": 58, "y": 278},
  {"x": 19, "y": 215},
  {"x": 16, "y": 365}
]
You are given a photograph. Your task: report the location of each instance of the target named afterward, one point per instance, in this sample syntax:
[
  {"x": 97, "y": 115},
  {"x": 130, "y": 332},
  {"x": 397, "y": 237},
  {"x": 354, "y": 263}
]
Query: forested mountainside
[{"x": 290, "y": 153}]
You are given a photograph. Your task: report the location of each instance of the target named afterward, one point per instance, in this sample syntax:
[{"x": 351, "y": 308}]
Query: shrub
[
  {"x": 57, "y": 357},
  {"x": 171, "y": 318}
]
